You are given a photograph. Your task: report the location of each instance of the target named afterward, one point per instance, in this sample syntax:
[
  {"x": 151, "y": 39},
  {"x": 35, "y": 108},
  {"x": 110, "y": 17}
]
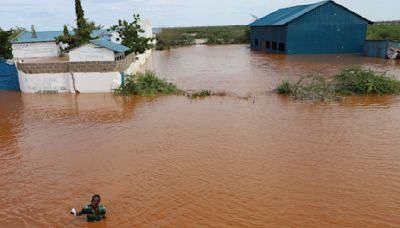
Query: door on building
[{"x": 8, "y": 76}]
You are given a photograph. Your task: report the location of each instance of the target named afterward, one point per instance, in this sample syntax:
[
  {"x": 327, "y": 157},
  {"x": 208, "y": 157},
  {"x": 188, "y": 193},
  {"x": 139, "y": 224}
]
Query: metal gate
[{"x": 8, "y": 76}]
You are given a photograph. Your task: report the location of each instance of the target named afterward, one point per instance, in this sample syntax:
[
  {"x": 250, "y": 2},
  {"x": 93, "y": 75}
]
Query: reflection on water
[{"x": 221, "y": 162}]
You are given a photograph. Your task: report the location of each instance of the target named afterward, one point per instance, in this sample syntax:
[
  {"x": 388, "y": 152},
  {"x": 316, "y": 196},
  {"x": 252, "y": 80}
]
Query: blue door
[{"x": 8, "y": 77}]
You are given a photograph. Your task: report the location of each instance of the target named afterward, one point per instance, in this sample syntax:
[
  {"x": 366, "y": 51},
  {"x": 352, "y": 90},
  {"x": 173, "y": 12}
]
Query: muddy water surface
[{"x": 264, "y": 161}]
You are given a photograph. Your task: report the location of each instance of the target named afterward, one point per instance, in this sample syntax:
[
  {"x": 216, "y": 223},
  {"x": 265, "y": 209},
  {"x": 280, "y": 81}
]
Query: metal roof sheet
[
  {"x": 49, "y": 36},
  {"x": 110, "y": 45},
  {"x": 286, "y": 15}
]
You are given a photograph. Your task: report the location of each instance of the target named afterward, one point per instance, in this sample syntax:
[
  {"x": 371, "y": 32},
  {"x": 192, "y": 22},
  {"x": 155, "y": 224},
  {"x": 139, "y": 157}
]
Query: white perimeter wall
[
  {"x": 91, "y": 52},
  {"x": 63, "y": 82},
  {"x": 84, "y": 82},
  {"x": 35, "y": 50},
  {"x": 138, "y": 65}
]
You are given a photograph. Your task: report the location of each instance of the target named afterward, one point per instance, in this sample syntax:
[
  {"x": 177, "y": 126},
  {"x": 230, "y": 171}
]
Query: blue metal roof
[
  {"x": 286, "y": 15},
  {"x": 110, "y": 45},
  {"x": 26, "y": 37},
  {"x": 49, "y": 36}
]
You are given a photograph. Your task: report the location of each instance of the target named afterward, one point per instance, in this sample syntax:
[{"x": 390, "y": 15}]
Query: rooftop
[
  {"x": 110, "y": 45},
  {"x": 286, "y": 15},
  {"x": 49, "y": 36}
]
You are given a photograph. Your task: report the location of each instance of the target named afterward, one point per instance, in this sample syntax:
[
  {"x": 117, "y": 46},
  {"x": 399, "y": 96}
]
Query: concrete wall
[
  {"x": 66, "y": 67},
  {"x": 35, "y": 50},
  {"x": 91, "y": 52},
  {"x": 85, "y": 77},
  {"x": 138, "y": 65},
  {"x": 64, "y": 82}
]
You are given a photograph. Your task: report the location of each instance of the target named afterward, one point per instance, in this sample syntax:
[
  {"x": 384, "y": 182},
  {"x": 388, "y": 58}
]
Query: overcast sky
[{"x": 53, "y": 14}]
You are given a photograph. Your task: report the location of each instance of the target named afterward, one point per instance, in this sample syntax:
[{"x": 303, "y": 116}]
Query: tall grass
[
  {"x": 145, "y": 84},
  {"x": 351, "y": 81}
]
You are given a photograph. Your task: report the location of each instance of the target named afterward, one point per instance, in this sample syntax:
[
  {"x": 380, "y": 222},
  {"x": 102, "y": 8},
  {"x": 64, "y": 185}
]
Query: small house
[
  {"x": 321, "y": 28},
  {"x": 43, "y": 44},
  {"x": 98, "y": 50}
]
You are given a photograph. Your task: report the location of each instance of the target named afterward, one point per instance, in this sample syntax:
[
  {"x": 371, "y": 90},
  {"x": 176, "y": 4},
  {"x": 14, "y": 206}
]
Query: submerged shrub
[
  {"x": 314, "y": 87},
  {"x": 285, "y": 88},
  {"x": 351, "y": 81},
  {"x": 356, "y": 81},
  {"x": 145, "y": 84},
  {"x": 201, "y": 93}
]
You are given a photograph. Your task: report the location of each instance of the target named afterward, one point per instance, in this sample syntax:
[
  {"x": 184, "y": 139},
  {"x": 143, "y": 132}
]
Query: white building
[
  {"x": 98, "y": 50},
  {"x": 43, "y": 45},
  {"x": 40, "y": 46},
  {"x": 147, "y": 26}
]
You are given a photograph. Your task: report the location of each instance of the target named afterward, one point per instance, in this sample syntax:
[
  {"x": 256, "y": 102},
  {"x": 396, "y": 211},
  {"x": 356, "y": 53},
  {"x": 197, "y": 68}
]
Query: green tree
[
  {"x": 66, "y": 31},
  {"x": 81, "y": 33},
  {"x": 5, "y": 45},
  {"x": 33, "y": 30},
  {"x": 130, "y": 34},
  {"x": 16, "y": 32},
  {"x": 80, "y": 14}
]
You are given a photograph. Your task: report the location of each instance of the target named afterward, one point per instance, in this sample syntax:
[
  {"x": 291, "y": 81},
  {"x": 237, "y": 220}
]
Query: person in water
[{"x": 94, "y": 211}]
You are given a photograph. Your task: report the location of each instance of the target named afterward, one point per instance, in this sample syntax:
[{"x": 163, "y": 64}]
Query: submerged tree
[
  {"x": 130, "y": 34},
  {"x": 5, "y": 45}
]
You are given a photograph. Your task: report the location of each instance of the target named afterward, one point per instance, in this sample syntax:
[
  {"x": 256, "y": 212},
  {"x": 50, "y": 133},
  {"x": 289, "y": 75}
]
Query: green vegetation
[
  {"x": 384, "y": 32},
  {"x": 199, "y": 94},
  {"x": 81, "y": 32},
  {"x": 33, "y": 31},
  {"x": 236, "y": 34},
  {"x": 129, "y": 33},
  {"x": 314, "y": 87},
  {"x": 16, "y": 32},
  {"x": 5, "y": 44},
  {"x": 145, "y": 84},
  {"x": 364, "y": 82},
  {"x": 203, "y": 93},
  {"x": 352, "y": 81}
]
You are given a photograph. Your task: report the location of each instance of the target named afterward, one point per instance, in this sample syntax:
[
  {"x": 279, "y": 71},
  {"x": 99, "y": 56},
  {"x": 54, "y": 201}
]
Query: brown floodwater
[{"x": 250, "y": 159}]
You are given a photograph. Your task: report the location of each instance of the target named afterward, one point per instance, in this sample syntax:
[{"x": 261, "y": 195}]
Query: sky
[{"x": 53, "y": 14}]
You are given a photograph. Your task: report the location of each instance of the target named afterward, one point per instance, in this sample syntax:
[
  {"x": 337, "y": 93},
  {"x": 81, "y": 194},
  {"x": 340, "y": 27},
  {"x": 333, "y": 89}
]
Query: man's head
[{"x": 95, "y": 200}]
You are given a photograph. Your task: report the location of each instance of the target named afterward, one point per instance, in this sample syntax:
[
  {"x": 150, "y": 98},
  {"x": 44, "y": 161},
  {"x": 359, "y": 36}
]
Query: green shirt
[{"x": 91, "y": 215}]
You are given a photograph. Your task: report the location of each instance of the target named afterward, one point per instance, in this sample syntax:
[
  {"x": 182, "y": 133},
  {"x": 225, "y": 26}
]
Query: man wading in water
[{"x": 94, "y": 211}]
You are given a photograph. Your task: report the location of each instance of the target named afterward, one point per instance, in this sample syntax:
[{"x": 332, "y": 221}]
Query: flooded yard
[{"x": 250, "y": 159}]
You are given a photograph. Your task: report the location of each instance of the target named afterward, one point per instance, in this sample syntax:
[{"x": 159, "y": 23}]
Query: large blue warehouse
[{"x": 321, "y": 28}]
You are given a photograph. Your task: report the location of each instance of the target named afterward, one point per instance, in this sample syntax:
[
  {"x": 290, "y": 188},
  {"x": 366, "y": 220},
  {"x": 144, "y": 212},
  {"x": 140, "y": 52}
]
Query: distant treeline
[
  {"x": 387, "y": 22},
  {"x": 384, "y": 31},
  {"x": 240, "y": 34},
  {"x": 235, "y": 34}
]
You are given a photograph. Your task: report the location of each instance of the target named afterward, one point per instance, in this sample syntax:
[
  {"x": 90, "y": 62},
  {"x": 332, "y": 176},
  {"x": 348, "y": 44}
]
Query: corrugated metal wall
[
  {"x": 379, "y": 48},
  {"x": 260, "y": 36},
  {"x": 327, "y": 29},
  {"x": 8, "y": 77}
]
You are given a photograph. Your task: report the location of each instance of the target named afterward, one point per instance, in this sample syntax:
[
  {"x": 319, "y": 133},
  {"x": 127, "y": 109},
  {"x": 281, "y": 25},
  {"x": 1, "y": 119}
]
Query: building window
[
  {"x": 282, "y": 47},
  {"x": 268, "y": 44},
  {"x": 256, "y": 42},
  {"x": 274, "y": 46}
]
